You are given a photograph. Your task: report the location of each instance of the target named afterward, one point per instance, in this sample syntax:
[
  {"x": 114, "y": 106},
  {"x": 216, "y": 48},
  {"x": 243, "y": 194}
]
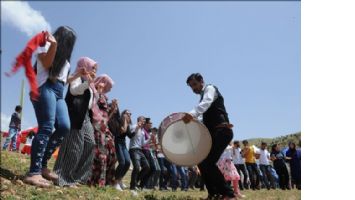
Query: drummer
[{"x": 215, "y": 118}]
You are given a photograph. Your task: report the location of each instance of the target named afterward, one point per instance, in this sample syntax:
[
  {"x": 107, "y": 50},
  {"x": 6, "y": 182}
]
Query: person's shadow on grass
[{"x": 7, "y": 174}]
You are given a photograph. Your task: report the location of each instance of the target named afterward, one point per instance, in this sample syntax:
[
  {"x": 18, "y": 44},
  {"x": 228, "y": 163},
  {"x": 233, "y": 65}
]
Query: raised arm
[
  {"x": 125, "y": 125},
  {"x": 47, "y": 57}
]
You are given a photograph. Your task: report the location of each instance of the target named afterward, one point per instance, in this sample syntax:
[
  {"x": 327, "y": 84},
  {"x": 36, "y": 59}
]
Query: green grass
[{"x": 14, "y": 166}]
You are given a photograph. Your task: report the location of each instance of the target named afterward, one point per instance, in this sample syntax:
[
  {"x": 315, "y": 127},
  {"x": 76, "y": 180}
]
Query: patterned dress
[
  {"x": 226, "y": 165},
  {"x": 103, "y": 169}
]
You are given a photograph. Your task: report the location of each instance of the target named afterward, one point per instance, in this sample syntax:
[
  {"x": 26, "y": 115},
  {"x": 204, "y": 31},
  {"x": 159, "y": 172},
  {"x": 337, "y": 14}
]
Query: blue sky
[{"x": 249, "y": 50}]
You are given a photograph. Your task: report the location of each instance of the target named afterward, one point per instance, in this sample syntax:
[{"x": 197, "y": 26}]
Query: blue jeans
[
  {"x": 183, "y": 176},
  {"x": 155, "y": 171},
  {"x": 267, "y": 177},
  {"x": 164, "y": 176},
  {"x": 12, "y": 137},
  {"x": 139, "y": 161},
  {"x": 171, "y": 174},
  {"x": 173, "y": 177},
  {"x": 123, "y": 159},
  {"x": 51, "y": 112},
  {"x": 254, "y": 175}
]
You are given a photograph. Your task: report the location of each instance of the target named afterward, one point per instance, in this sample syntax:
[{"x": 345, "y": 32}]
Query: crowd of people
[
  {"x": 103, "y": 158},
  {"x": 91, "y": 132}
]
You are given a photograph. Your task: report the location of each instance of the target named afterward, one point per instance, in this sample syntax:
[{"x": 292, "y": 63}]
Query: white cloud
[
  {"x": 20, "y": 15},
  {"x": 5, "y": 121}
]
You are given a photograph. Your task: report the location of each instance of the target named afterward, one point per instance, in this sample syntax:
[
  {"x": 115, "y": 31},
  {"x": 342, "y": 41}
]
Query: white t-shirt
[
  {"x": 227, "y": 154},
  {"x": 237, "y": 157},
  {"x": 29, "y": 141},
  {"x": 264, "y": 160},
  {"x": 160, "y": 155},
  {"x": 42, "y": 73}
]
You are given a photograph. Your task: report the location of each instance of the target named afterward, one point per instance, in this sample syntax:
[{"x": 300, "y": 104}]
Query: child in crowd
[
  {"x": 27, "y": 148},
  {"x": 229, "y": 171}
]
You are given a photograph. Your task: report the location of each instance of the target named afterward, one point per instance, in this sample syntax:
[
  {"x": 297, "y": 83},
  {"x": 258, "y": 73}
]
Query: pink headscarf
[
  {"x": 86, "y": 63},
  {"x": 104, "y": 78}
]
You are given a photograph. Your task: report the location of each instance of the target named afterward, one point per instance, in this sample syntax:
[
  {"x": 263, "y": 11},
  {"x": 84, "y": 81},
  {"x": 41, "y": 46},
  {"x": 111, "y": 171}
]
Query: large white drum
[{"x": 184, "y": 144}]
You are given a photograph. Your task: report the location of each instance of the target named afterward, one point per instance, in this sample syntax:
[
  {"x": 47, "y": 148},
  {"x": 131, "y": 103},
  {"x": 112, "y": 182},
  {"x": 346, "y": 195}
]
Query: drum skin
[{"x": 184, "y": 144}]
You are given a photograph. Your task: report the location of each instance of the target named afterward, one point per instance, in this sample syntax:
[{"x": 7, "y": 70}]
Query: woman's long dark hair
[
  {"x": 124, "y": 112},
  {"x": 114, "y": 122},
  {"x": 66, "y": 38},
  {"x": 294, "y": 146}
]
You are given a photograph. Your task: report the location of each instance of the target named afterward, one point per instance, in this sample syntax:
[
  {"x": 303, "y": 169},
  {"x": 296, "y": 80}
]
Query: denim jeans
[
  {"x": 192, "y": 177},
  {"x": 267, "y": 177},
  {"x": 155, "y": 171},
  {"x": 171, "y": 174},
  {"x": 254, "y": 175},
  {"x": 164, "y": 176},
  {"x": 183, "y": 176},
  {"x": 241, "y": 169},
  {"x": 138, "y": 161},
  {"x": 51, "y": 112},
  {"x": 156, "y": 176},
  {"x": 173, "y": 177},
  {"x": 12, "y": 137},
  {"x": 123, "y": 159}
]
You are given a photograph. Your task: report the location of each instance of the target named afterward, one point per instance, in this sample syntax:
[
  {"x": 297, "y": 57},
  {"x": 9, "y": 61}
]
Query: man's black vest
[{"x": 216, "y": 113}]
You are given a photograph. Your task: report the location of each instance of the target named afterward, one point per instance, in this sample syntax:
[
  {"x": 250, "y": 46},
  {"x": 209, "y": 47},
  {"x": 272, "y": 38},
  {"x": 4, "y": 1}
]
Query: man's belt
[{"x": 225, "y": 125}]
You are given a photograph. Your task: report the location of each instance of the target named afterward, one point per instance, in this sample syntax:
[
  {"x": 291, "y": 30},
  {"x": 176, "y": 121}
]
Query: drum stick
[{"x": 188, "y": 133}]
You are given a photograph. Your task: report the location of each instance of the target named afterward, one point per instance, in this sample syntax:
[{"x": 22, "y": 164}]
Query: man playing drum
[{"x": 215, "y": 118}]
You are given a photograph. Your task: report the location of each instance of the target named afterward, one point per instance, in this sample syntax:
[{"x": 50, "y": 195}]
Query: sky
[{"x": 250, "y": 50}]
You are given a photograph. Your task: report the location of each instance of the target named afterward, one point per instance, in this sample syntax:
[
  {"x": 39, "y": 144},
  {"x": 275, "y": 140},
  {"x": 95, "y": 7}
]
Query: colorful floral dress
[
  {"x": 103, "y": 169},
  {"x": 226, "y": 166}
]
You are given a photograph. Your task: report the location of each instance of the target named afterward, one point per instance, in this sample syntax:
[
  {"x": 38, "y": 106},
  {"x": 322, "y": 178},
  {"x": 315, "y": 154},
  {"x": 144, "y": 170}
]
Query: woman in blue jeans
[
  {"x": 119, "y": 126},
  {"x": 52, "y": 69}
]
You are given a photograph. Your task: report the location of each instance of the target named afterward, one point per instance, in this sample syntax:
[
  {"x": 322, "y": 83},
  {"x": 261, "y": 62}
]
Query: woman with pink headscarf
[
  {"x": 103, "y": 168},
  {"x": 76, "y": 154}
]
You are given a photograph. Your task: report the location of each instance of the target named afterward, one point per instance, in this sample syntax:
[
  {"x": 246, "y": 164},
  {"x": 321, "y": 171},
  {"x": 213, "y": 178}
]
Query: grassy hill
[{"x": 282, "y": 140}]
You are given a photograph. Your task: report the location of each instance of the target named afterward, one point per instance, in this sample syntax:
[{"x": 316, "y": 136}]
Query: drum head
[{"x": 186, "y": 144}]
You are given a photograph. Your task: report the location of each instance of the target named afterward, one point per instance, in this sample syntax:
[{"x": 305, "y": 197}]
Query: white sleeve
[
  {"x": 91, "y": 98},
  {"x": 43, "y": 49},
  {"x": 146, "y": 141},
  {"x": 133, "y": 128},
  {"x": 230, "y": 152},
  {"x": 77, "y": 87},
  {"x": 208, "y": 98}
]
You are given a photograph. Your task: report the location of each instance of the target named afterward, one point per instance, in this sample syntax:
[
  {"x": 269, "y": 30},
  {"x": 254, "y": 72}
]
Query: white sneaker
[
  {"x": 134, "y": 193},
  {"x": 118, "y": 187},
  {"x": 123, "y": 186}
]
